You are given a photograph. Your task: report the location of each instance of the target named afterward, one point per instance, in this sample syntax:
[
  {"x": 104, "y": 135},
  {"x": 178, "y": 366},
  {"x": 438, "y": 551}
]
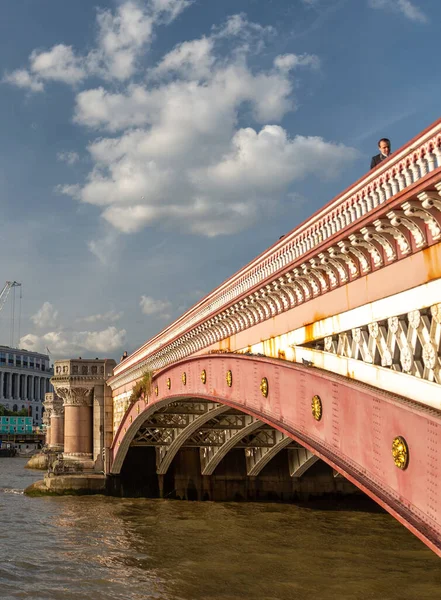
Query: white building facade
[{"x": 24, "y": 380}]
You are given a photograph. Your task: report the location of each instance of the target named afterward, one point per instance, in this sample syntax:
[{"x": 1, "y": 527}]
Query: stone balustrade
[{"x": 405, "y": 169}]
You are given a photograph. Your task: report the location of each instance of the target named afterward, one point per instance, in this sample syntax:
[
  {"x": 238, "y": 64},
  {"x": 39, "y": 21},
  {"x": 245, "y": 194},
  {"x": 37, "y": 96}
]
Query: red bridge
[{"x": 324, "y": 350}]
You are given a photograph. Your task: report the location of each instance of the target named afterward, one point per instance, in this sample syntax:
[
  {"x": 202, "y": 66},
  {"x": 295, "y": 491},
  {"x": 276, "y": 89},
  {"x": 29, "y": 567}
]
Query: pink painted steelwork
[{"x": 354, "y": 435}]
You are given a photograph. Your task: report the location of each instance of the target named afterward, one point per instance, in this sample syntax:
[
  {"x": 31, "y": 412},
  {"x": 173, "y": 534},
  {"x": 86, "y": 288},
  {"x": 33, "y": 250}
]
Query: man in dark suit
[{"x": 384, "y": 148}]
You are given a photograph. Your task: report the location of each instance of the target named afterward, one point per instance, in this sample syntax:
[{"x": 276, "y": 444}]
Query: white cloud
[
  {"x": 286, "y": 62},
  {"x": 58, "y": 64},
  {"x": 239, "y": 26},
  {"x": 150, "y": 306},
  {"x": 72, "y": 190},
  {"x": 122, "y": 37},
  {"x": 68, "y": 157},
  {"x": 110, "y": 316},
  {"x": 105, "y": 247},
  {"x": 68, "y": 343},
  {"x": 45, "y": 317},
  {"x": 169, "y": 9},
  {"x": 405, "y": 7},
  {"x": 178, "y": 159},
  {"x": 176, "y": 155},
  {"x": 191, "y": 59},
  {"x": 23, "y": 79}
]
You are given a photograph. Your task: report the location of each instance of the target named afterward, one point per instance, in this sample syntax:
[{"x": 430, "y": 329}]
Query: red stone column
[
  {"x": 57, "y": 425},
  {"x": 47, "y": 421},
  {"x": 77, "y": 403},
  {"x": 54, "y": 421}
]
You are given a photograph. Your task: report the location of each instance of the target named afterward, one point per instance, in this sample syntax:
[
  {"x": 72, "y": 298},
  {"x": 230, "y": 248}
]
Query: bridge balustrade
[{"x": 326, "y": 251}]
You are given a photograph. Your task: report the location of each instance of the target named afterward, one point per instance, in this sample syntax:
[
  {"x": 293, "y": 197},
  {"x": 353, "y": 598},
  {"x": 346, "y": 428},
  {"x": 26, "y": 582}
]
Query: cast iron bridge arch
[{"x": 384, "y": 444}]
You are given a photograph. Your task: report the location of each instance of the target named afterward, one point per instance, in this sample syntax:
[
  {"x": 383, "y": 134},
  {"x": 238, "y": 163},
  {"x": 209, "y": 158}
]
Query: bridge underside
[
  {"x": 230, "y": 409},
  {"x": 198, "y": 449}
]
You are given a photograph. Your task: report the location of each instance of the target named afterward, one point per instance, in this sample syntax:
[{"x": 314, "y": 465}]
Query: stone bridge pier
[{"x": 86, "y": 429}]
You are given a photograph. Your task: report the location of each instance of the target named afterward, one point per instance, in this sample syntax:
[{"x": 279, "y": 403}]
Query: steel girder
[
  {"x": 211, "y": 456},
  {"x": 215, "y": 429},
  {"x": 300, "y": 459},
  {"x": 165, "y": 455},
  {"x": 259, "y": 457}
]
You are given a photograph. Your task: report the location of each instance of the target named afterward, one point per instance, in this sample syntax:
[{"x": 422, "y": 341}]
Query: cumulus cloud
[
  {"x": 192, "y": 59},
  {"x": 68, "y": 343},
  {"x": 405, "y": 7},
  {"x": 58, "y": 64},
  {"x": 45, "y": 317},
  {"x": 150, "y": 306},
  {"x": 122, "y": 37},
  {"x": 168, "y": 10},
  {"x": 287, "y": 62},
  {"x": 177, "y": 159},
  {"x": 23, "y": 79},
  {"x": 239, "y": 26},
  {"x": 68, "y": 157},
  {"x": 196, "y": 145},
  {"x": 110, "y": 316}
]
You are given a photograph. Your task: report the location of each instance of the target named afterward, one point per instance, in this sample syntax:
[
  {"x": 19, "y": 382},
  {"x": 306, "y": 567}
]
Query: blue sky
[{"x": 151, "y": 148}]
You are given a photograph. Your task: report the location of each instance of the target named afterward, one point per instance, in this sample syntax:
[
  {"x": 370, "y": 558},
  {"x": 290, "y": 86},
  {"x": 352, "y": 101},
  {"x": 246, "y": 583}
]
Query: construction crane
[{"x": 4, "y": 296}]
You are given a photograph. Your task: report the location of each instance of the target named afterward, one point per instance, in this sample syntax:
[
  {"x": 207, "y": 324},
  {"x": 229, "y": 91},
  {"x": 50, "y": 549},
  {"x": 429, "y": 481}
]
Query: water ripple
[{"x": 72, "y": 548}]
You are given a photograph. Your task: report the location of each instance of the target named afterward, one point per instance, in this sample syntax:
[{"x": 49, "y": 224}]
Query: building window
[
  {"x": 84, "y": 370},
  {"x": 2, "y": 358}
]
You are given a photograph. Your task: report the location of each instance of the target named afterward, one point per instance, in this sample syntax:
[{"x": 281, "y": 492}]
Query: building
[
  {"x": 16, "y": 425},
  {"x": 24, "y": 380}
]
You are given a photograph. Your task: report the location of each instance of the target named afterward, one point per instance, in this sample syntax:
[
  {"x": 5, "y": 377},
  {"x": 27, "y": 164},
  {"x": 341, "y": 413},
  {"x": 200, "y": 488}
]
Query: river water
[{"x": 103, "y": 548}]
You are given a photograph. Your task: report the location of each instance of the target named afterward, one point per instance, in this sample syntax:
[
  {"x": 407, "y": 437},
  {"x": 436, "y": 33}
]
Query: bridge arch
[{"x": 349, "y": 425}]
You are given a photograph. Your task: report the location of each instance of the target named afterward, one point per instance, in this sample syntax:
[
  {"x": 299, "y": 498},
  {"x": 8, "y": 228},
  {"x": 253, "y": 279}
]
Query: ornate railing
[{"x": 404, "y": 169}]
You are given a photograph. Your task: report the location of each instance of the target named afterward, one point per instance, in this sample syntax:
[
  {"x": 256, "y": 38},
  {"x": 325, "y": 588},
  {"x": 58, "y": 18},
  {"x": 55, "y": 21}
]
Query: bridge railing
[{"x": 405, "y": 167}]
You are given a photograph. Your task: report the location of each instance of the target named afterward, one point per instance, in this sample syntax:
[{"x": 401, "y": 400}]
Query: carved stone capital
[
  {"x": 79, "y": 396},
  {"x": 57, "y": 408}
]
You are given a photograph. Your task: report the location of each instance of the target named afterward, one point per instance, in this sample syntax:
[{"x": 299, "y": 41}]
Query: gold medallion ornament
[
  {"x": 264, "y": 388},
  {"x": 316, "y": 408},
  {"x": 229, "y": 378},
  {"x": 184, "y": 378},
  {"x": 400, "y": 452},
  {"x": 204, "y": 376},
  {"x": 156, "y": 390},
  {"x": 131, "y": 419},
  {"x": 168, "y": 383}
]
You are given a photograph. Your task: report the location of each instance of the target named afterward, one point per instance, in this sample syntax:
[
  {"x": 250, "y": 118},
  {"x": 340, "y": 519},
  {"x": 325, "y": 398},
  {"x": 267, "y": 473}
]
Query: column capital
[
  {"x": 77, "y": 396},
  {"x": 57, "y": 407}
]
